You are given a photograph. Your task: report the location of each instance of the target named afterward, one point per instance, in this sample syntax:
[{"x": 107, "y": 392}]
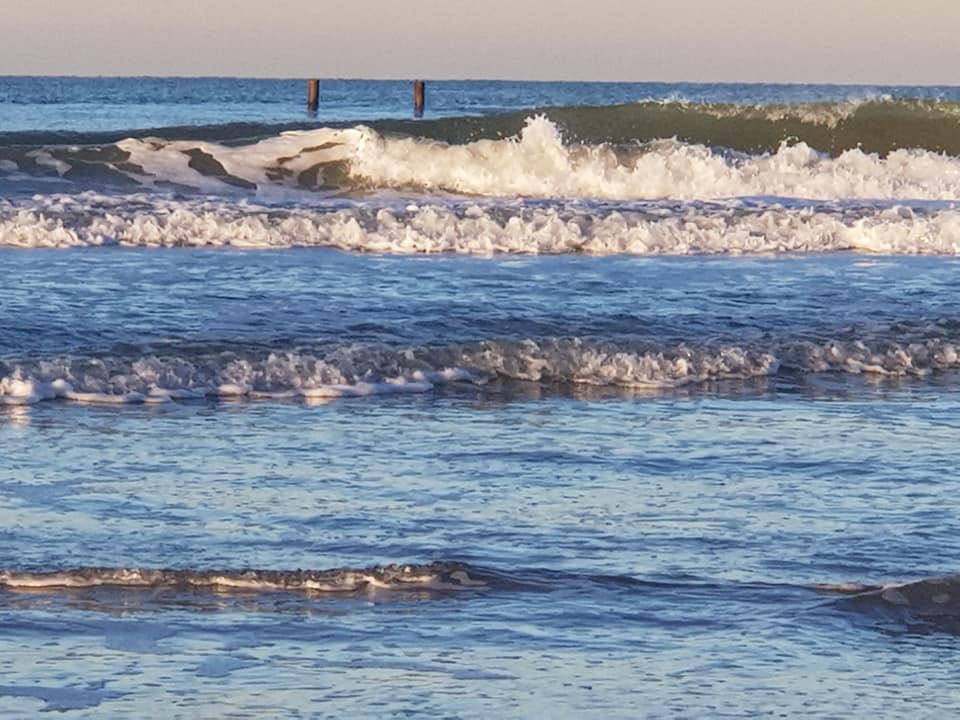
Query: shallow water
[
  {"x": 641, "y": 551},
  {"x": 667, "y": 546}
]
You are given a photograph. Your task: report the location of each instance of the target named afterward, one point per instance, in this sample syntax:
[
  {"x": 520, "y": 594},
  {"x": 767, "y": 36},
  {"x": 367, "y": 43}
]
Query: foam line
[{"x": 481, "y": 228}]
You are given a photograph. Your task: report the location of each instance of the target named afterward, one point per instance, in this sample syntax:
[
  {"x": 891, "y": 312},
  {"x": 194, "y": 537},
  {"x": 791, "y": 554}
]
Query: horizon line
[{"x": 148, "y": 76}]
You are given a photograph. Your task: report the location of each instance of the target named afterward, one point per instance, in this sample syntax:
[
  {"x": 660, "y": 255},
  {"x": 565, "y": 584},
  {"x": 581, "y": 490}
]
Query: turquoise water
[{"x": 620, "y": 483}]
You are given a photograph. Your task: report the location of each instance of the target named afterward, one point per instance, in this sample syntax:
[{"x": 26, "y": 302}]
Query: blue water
[
  {"x": 646, "y": 542},
  {"x": 720, "y": 508},
  {"x": 109, "y": 104}
]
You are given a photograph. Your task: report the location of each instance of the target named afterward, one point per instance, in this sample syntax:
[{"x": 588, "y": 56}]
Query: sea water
[{"x": 528, "y": 408}]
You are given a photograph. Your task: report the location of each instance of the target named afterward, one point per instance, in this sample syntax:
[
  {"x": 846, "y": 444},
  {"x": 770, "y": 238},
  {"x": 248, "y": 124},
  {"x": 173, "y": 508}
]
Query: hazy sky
[{"x": 871, "y": 41}]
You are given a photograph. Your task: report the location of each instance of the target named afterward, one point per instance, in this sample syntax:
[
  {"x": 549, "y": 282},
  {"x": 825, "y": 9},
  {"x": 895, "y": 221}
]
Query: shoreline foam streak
[
  {"x": 931, "y": 603},
  {"x": 437, "y": 576}
]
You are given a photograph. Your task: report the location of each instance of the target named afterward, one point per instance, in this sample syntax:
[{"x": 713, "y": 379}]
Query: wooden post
[
  {"x": 313, "y": 95},
  {"x": 419, "y": 98}
]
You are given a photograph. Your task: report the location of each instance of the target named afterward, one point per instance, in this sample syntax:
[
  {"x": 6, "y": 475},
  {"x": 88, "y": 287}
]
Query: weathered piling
[
  {"x": 313, "y": 95},
  {"x": 419, "y": 97}
]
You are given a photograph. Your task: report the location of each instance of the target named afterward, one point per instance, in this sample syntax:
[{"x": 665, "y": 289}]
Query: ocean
[{"x": 567, "y": 399}]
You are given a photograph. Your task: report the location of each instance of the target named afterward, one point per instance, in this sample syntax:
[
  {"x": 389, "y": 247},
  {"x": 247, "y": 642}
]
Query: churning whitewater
[{"x": 484, "y": 228}]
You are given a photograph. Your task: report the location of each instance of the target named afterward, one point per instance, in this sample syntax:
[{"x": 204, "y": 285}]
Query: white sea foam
[
  {"x": 280, "y": 375},
  {"x": 45, "y": 159},
  {"x": 483, "y": 228},
  {"x": 275, "y": 162},
  {"x": 353, "y": 370},
  {"x": 538, "y": 164}
]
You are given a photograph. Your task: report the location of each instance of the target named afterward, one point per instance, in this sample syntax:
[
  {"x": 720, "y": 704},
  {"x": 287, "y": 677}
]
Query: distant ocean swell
[
  {"x": 165, "y": 373},
  {"x": 879, "y": 125},
  {"x": 435, "y": 226},
  {"x": 539, "y": 162},
  {"x": 933, "y": 604}
]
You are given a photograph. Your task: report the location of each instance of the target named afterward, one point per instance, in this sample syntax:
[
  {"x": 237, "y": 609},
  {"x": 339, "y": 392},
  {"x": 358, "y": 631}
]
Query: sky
[{"x": 839, "y": 41}]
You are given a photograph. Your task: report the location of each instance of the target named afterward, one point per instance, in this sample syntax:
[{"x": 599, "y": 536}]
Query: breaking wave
[
  {"x": 536, "y": 163},
  {"x": 318, "y": 373}
]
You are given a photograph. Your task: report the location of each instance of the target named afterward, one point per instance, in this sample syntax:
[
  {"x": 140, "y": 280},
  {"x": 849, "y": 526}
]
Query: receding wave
[
  {"x": 438, "y": 576},
  {"x": 141, "y": 220},
  {"x": 928, "y": 605},
  {"x": 537, "y": 163},
  {"x": 176, "y": 371},
  {"x": 932, "y": 596}
]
